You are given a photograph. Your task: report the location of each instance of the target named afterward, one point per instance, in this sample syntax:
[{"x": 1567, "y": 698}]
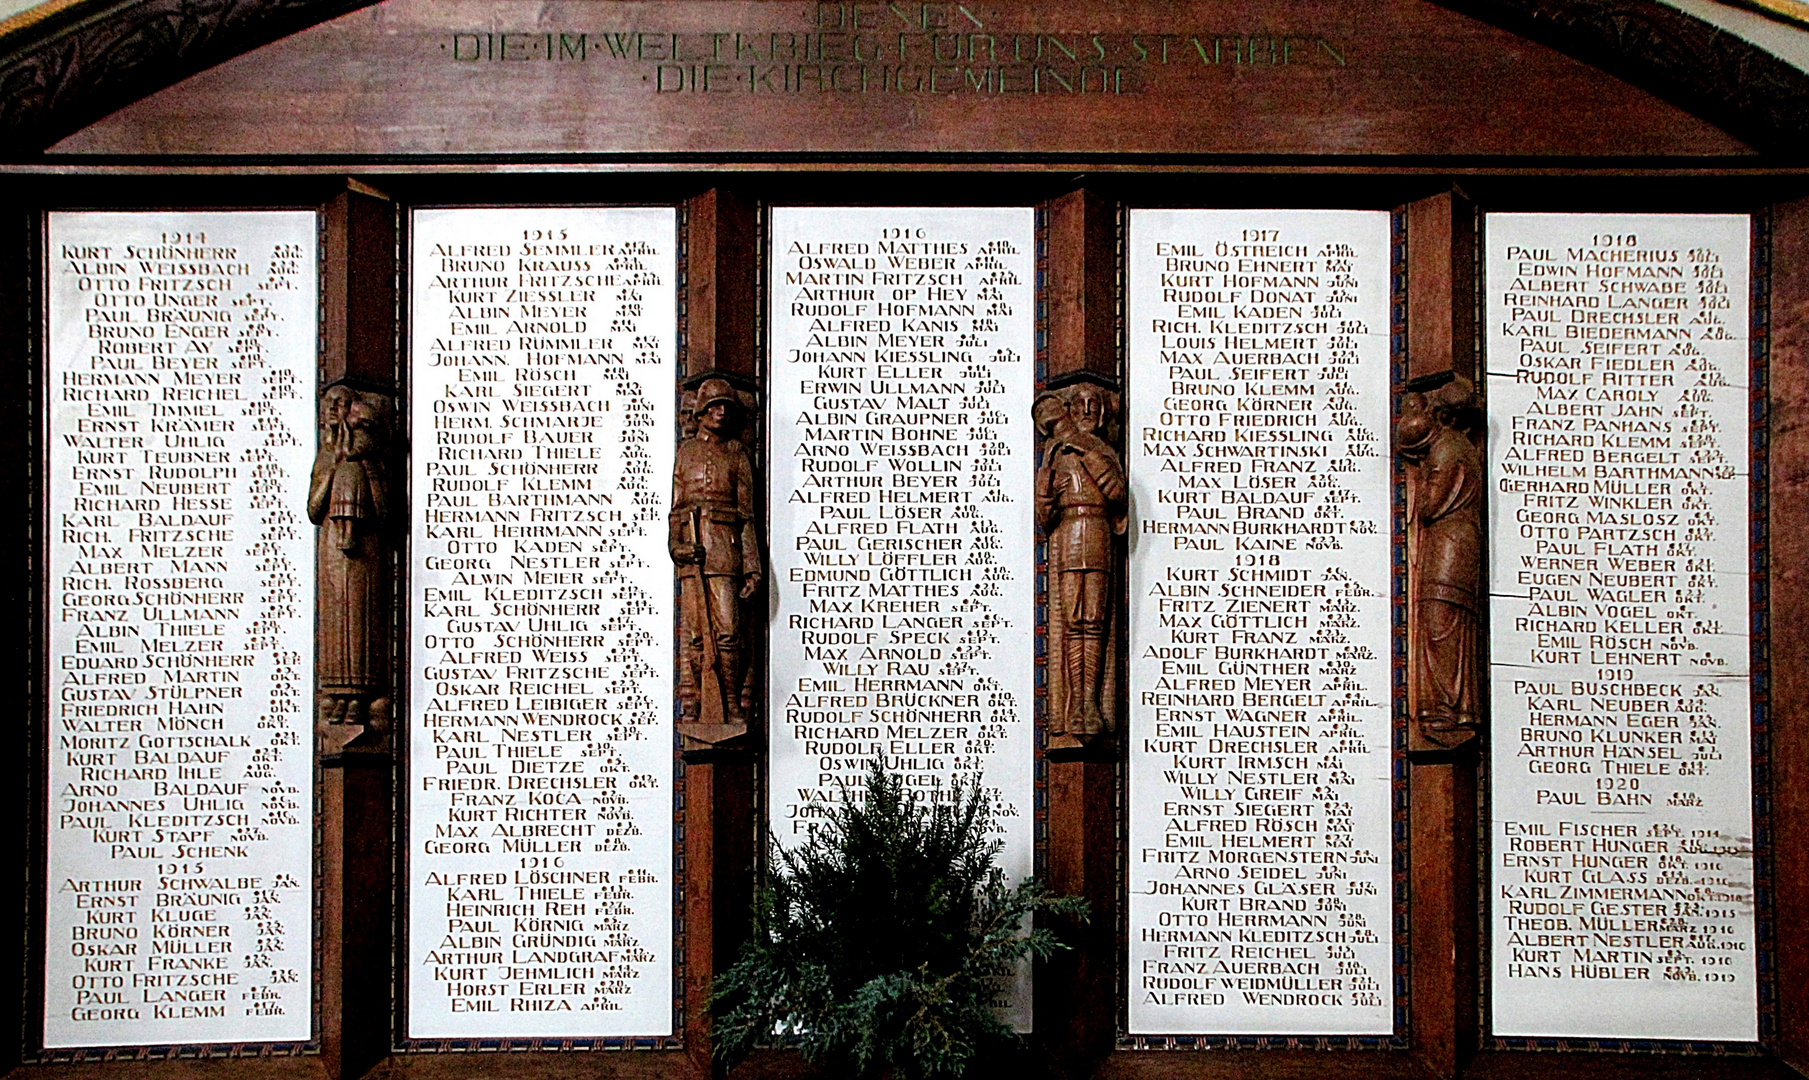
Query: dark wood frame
[
  {"x": 327, "y": 791},
  {"x": 1761, "y": 712},
  {"x": 74, "y": 63},
  {"x": 722, "y": 229}
]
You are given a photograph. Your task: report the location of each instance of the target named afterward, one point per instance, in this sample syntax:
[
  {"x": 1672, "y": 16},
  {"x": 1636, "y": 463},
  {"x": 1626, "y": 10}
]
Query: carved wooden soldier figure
[
  {"x": 349, "y": 498},
  {"x": 715, "y": 546},
  {"x": 1081, "y": 503},
  {"x": 1434, "y": 433}
]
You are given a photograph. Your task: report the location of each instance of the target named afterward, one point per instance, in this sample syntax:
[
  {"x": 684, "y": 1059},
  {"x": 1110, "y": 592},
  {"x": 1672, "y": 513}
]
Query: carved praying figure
[
  {"x": 348, "y": 497},
  {"x": 1081, "y": 504},
  {"x": 1439, "y": 415},
  {"x": 715, "y": 545}
]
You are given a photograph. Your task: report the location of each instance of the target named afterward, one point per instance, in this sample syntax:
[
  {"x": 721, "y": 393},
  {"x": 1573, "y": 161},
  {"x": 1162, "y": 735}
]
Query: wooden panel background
[
  {"x": 1076, "y": 1022},
  {"x": 1337, "y": 77},
  {"x": 1400, "y": 89}
]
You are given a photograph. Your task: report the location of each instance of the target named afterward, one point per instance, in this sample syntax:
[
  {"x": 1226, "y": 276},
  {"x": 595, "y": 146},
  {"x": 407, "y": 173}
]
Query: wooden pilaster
[
  {"x": 1076, "y": 1003},
  {"x": 1441, "y": 286},
  {"x": 721, "y": 274},
  {"x": 357, "y": 348},
  {"x": 1442, "y": 926},
  {"x": 1789, "y": 592}
]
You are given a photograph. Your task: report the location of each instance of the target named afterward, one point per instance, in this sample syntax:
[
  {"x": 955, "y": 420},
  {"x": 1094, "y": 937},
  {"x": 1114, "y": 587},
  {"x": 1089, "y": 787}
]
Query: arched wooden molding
[
  {"x": 1693, "y": 64},
  {"x": 82, "y": 61}
]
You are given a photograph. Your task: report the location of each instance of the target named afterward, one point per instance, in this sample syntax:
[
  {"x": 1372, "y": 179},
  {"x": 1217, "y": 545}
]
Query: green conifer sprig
[{"x": 879, "y": 943}]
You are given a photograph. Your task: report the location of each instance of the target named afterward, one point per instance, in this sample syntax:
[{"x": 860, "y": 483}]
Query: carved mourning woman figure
[
  {"x": 349, "y": 498},
  {"x": 1081, "y": 501},
  {"x": 1433, "y": 433}
]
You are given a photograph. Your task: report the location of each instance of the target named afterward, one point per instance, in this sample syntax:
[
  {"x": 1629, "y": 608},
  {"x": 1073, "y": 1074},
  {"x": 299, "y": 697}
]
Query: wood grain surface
[{"x": 1261, "y": 78}]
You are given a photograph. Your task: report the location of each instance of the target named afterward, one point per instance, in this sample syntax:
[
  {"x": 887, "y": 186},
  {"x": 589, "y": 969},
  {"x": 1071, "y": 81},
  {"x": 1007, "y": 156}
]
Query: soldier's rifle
[{"x": 710, "y": 688}]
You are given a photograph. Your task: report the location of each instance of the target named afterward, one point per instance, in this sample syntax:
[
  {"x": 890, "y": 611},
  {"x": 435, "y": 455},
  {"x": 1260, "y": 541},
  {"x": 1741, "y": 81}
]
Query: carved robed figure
[
  {"x": 1435, "y": 436},
  {"x": 715, "y": 546},
  {"x": 349, "y": 498},
  {"x": 1081, "y": 505}
]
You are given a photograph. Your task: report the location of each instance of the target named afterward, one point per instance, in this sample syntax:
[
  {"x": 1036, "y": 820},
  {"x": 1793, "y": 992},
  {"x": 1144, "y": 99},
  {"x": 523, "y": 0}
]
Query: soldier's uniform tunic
[{"x": 713, "y": 491}]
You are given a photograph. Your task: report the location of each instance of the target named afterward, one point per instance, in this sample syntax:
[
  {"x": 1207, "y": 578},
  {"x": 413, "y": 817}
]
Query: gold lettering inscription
[{"x": 928, "y": 48}]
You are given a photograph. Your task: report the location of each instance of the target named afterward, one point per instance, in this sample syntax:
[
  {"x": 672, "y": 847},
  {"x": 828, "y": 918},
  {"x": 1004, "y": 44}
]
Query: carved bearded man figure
[
  {"x": 1081, "y": 504},
  {"x": 348, "y": 496},
  {"x": 714, "y": 543},
  {"x": 1433, "y": 433}
]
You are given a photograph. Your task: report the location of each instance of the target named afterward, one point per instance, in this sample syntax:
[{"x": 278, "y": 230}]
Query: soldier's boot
[
  {"x": 1092, "y": 652},
  {"x": 728, "y": 661}
]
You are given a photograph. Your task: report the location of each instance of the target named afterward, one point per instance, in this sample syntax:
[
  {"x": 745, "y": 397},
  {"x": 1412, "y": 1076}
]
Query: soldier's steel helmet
[{"x": 712, "y": 391}]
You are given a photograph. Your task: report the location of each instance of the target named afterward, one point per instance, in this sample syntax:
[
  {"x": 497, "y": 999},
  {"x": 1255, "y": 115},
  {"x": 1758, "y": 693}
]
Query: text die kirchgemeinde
[
  {"x": 1260, "y": 746},
  {"x": 540, "y": 847},
  {"x": 1622, "y": 875},
  {"x": 180, "y": 402}
]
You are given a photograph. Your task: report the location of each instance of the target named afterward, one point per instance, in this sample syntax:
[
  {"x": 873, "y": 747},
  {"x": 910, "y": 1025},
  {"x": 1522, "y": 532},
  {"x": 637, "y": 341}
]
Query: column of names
[
  {"x": 1260, "y": 746},
  {"x": 181, "y": 578},
  {"x": 540, "y": 805},
  {"x": 901, "y": 507},
  {"x": 1622, "y": 878}
]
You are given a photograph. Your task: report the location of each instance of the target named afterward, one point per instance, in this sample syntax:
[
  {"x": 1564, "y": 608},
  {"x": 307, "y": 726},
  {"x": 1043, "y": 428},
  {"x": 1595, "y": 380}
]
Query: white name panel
[
  {"x": 1622, "y": 884},
  {"x": 180, "y": 409},
  {"x": 1260, "y": 855},
  {"x": 903, "y": 621},
  {"x": 540, "y": 825}
]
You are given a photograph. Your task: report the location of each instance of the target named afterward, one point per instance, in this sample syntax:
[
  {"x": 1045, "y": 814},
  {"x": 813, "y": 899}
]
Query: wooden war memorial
[{"x": 485, "y": 468}]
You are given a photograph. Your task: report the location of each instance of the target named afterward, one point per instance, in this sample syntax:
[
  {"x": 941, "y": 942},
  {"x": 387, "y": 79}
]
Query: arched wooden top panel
[
  {"x": 79, "y": 62},
  {"x": 762, "y": 78}
]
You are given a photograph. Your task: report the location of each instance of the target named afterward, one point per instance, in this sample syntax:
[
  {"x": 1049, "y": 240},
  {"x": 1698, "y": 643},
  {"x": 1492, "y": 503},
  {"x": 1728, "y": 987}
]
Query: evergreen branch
[{"x": 879, "y": 943}]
